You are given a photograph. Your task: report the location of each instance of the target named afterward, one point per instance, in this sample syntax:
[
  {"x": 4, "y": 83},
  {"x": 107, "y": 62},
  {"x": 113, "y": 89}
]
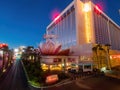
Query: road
[
  {"x": 92, "y": 83},
  {"x": 102, "y": 83},
  {"x": 68, "y": 86},
  {"x": 15, "y": 78}
]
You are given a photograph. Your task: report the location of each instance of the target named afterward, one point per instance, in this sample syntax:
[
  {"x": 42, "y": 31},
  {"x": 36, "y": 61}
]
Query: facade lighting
[
  {"x": 86, "y": 7},
  {"x": 57, "y": 18},
  {"x": 97, "y": 10},
  {"x": 16, "y": 50},
  {"x": 87, "y": 16}
]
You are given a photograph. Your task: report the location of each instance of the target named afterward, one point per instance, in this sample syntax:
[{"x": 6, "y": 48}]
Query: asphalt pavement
[
  {"x": 101, "y": 83},
  {"x": 15, "y": 78},
  {"x": 90, "y": 83}
]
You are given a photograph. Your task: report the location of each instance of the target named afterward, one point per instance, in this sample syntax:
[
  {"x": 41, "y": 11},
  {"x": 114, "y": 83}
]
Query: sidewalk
[
  {"x": 81, "y": 84},
  {"x": 3, "y": 74},
  {"x": 113, "y": 74}
]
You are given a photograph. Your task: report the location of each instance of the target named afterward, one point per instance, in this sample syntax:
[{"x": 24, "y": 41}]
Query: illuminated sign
[
  {"x": 51, "y": 79},
  {"x": 115, "y": 56}
]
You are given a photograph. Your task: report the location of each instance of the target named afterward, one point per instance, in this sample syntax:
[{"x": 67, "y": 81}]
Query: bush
[
  {"x": 62, "y": 76},
  {"x": 36, "y": 73}
]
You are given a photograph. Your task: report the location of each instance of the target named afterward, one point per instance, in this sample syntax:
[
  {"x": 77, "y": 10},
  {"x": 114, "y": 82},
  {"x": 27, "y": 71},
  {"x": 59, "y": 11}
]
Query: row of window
[
  {"x": 71, "y": 9},
  {"x": 106, "y": 32},
  {"x": 115, "y": 36},
  {"x": 65, "y": 30},
  {"x": 101, "y": 29}
]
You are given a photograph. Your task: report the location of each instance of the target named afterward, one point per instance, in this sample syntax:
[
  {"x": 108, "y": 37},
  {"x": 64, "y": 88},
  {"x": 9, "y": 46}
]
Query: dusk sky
[{"x": 23, "y": 22}]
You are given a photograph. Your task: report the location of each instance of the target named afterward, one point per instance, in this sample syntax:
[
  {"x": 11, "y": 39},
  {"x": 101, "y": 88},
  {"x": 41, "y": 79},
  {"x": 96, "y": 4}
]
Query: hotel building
[
  {"x": 82, "y": 23},
  {"x": 80, "y": 26}
]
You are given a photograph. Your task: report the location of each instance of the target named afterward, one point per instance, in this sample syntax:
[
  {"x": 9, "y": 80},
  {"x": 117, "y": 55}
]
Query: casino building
[
  {"x": 80, "y": 26},
  {"x": 82, "y": 23}
]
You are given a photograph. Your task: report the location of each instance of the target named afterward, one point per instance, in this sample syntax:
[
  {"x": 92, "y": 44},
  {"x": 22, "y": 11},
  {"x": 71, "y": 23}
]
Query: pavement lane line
[
  {"x": 83, "y": 86},
  {"x": 63, "y": 83}
]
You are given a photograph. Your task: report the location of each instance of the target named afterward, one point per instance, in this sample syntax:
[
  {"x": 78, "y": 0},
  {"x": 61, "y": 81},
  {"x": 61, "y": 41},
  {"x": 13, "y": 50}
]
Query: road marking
[
  {"x": 63, "y": 83},
  {"x": 83, "y": 86}
]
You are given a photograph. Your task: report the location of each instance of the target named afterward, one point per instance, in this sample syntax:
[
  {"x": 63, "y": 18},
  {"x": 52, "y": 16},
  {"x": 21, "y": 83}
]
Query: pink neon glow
[
  {"x": 57, "y": 18},
  {"x": 97, "y": 7},
  {"x": 55, "y": 14},
  {"x": 49, "y": 48}
]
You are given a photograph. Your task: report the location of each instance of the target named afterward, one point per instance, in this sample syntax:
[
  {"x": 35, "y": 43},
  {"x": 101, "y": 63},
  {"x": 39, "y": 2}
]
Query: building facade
[
  {"x": 83, "y": 23},
  {"x": 80, "y": 26}
]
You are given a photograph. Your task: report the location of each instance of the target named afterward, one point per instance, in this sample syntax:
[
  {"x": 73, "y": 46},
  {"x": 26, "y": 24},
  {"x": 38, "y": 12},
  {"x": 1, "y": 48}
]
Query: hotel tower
[{"x": 82, "y": 23}]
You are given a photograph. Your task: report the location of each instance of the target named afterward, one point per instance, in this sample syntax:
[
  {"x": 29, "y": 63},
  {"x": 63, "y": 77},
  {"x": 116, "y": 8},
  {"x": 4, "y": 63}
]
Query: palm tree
[
  {"x": 29, "y": 52},
  {"x": 98, "y": 49},
  {"x": 95, "y": 49},
  {"x": 108, "y": 56},
  {"x": 101, "y": 50}
]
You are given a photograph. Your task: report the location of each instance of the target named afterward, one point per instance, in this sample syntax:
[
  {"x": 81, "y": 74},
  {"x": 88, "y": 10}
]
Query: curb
[
  {"x": 25, "y": 71},
  {"x": 112, "y": 76},
  {"x": 28, "y": 80}
]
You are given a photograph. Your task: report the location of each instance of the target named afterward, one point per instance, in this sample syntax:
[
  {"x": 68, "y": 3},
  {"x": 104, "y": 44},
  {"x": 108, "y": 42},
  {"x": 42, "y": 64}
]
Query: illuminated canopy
[{"x": 49, "y": 48}]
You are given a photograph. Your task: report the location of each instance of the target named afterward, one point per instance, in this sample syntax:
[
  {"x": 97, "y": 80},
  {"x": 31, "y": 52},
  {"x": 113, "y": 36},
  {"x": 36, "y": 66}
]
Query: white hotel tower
[{"x": 82, "y": 24}]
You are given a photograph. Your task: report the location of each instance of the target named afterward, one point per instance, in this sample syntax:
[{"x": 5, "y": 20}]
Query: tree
[
  {"x": 108, "y": 56},
  {"x": 29, "y": 52},
  {"x": 101, "y": 50},
  {"x": 95, "y": 49},
  {"x": 98, "y": 49}
]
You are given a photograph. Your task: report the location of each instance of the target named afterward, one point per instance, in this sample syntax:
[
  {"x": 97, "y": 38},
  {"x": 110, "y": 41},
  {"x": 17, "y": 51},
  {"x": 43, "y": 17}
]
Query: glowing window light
[{"x": 86, "y": 7}]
